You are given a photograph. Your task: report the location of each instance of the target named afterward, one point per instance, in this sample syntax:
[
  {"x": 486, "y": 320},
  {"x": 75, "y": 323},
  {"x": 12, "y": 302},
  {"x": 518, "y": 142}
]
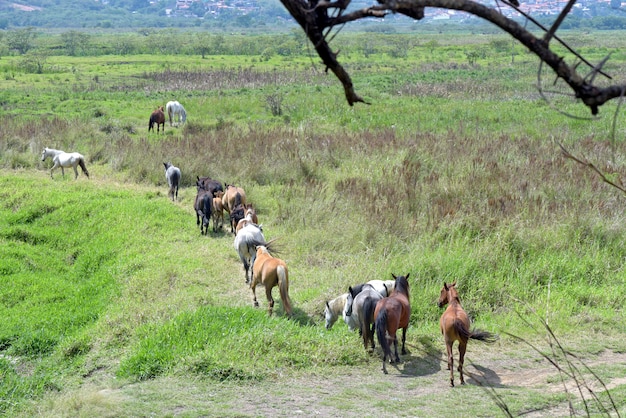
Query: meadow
[{"x": 113, "y": 304}]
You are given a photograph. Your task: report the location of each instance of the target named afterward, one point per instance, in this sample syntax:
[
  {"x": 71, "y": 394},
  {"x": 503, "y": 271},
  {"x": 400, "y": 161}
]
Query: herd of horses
[
  {"x": 376, "y": 308},
  {"x": 380, "y": 308}
]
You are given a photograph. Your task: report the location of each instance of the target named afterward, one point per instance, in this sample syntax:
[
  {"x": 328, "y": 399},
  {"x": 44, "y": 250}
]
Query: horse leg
[
  {"x": 395, "y": 347},
  {"x": 462, "y": 348},
  {"x": 253, "y": 287},
  {"x": 270, "y": 299},
  {"x": 62, "y": 171},
  {"x": 75, "y": 173},
  {"x": 450, "y": 362},
  {"x": 403, "y": 340}
]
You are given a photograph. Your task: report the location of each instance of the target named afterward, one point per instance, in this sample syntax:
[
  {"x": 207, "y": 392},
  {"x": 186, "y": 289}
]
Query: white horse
[
  {"x": 65, "y": 159},
  {"x": 351, "y": 317},
  {"x": 172, "y": 175},
  {"x": 246, "y": 241},
  {"x": 176, "y": 111},
  {"x": 333, "y": 309}
]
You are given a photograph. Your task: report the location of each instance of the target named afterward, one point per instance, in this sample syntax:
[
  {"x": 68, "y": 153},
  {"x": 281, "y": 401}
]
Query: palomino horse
[
  {"x": 270, "y": 271},
  {"x": 392, "y": 313},
  {"x": 157, "y": 117},
  {"x": 218, "y": 211},
  {"x": 250, "y": 217},
  {"x": 172, "y": 175},
  {"x": 176, "y": 111},
  {"x": 65, "y": 159},
  {"x": 455, "y": 326},
  {"x": 364, "y": 305},
  {"x": 202, "y": 205},
  {"x": 352, "y": 319},
  {"x": 333, "y": 309},
  {"x": 246, "y": 241}
]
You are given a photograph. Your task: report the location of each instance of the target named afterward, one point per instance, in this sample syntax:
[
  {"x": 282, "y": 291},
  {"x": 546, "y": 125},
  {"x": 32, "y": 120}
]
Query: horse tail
[
  {"x": 381, "y": 330},
  {"x": 206, "y": 206},
  {"x": 237, "y": 200},
  {"x": 483, "y": 336},
  {"x": 283, "y": 285},
  {"x": 462, "y": 330},
  {"x": 369, "y": 306},
  {"x": 81, "y": 162}
]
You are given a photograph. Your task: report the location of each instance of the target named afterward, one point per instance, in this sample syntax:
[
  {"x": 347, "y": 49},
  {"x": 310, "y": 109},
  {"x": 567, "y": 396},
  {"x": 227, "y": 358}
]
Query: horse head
[{"x": 448, "y": 293}]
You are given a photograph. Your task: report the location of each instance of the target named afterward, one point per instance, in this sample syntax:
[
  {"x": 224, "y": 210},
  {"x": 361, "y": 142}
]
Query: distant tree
[
  {"x": 203, "y": 44},
  {"x": 21, "y": 40},
  {"x": 34, "y": 61},
  {"x": 74, "y": 41},
  {"x": 616, "y": 4}
]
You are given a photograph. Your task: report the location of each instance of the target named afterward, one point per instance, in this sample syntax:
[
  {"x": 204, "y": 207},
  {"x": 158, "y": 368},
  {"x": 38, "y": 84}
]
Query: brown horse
[
  {"x": 270, "y": 271},
  {"x": 455, "y": 326},
  {"x": 392, "y": 313},
  {"x": 157, "y": 117},
  {"x": 233, "y": 200},
  {"x": 233, "y": 196},
  {"x": 218, "y": 211}
]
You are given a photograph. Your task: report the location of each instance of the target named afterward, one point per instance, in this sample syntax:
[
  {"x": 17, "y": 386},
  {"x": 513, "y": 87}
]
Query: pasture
[{"x": 114, "y": 304}]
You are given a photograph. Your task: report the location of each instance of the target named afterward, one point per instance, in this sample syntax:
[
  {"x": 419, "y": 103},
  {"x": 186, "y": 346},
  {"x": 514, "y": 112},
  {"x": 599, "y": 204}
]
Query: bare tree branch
[
  {"x": 313, "y": 17},
  {"x": 569, "y": 155}
]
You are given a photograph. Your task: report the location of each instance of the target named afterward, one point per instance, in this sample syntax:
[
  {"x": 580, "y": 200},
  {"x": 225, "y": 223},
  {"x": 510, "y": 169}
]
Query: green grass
[{"x": 441, "y": 177}]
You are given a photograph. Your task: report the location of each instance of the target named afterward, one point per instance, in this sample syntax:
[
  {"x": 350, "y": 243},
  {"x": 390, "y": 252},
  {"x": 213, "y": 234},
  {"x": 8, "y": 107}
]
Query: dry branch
[{"x": 313, "y": 17}]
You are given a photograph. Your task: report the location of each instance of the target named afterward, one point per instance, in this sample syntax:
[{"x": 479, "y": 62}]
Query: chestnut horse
[
  {"x": 218, "y": 211},
  {"x": 392, "y": 313},
  {"x": 270, "y": 271},
  {"x": 455, "y": 326},
  {"x": 157, "y": 117}
]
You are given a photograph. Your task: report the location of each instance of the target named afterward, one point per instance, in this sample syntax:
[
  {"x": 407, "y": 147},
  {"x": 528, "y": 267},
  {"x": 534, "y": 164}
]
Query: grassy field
[{"x": 113, "y": 304}]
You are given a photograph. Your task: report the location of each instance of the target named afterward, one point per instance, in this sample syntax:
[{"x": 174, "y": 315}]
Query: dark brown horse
[
  {"x": 392, "y": 313},
  {"x": 203, "y": 206},
  {"x": 455, "y": 326},
  {"x": 157, "y": 117}
]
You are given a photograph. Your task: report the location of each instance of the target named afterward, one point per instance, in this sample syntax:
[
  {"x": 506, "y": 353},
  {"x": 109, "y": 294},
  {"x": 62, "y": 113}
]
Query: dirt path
[{"x": 419, "y": 387}]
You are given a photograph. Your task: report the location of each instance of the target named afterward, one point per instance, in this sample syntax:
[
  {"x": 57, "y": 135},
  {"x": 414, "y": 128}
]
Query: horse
[
  {"x": 176, "y": 111},
  {"x": 455, "y": 326},
  {"x": 333, "y": 309},
  {"x": 246, "y": 241},
  {"x": 364, "y": 305},
  {"x": 233, "y": 197},
  {"x": 236, "y": 215},
  {"x": 270, "y": 271},
  {"x": 172, "y": 175},
  {"x": 157, "y": 117},
  {"x": 392, "y": 313},
  {"x": 65, "y": 159},
  {"x": 250, "y": 217},
  {"x": 218, "y": 211},
  {"x": 210, "y": 185},
  {"x": 202, "y": 206},
  {"x": 383, "y": 287}
]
